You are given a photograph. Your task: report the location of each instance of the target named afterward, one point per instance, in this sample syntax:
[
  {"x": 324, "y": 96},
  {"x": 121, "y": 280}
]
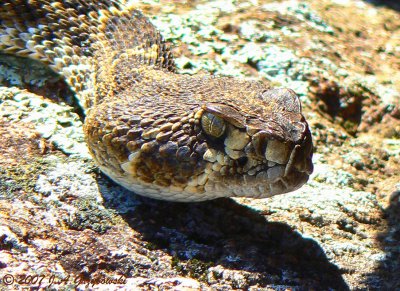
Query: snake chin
[{"x": 264, "y": 180}]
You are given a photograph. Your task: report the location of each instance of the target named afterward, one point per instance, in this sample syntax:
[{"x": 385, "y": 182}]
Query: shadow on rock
[
  {"x": 389, "y": 269},
  {"x": 392, "y": 4},
  {"x": 222, "y": 237}
]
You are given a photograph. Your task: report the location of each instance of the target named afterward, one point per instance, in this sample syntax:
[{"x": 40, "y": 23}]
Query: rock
[{"x": 64, "y": 221}]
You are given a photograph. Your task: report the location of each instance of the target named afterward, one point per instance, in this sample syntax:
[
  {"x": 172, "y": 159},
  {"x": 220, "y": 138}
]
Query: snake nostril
[{"x": 241, "y": 161}]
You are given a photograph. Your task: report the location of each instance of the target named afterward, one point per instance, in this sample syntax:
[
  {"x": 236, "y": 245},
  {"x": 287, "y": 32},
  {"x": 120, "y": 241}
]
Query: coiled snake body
[{"x": 158, "y": 133}]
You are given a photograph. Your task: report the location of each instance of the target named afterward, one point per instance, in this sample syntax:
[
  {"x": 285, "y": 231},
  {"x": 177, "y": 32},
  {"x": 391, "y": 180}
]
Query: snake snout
[
  {"x": 293, "y": 159},
  {"x": 299, "y": 165}
]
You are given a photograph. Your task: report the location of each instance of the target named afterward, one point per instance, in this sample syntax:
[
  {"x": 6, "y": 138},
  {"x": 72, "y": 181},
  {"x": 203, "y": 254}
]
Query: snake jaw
[{"x": 272, "y": 167}]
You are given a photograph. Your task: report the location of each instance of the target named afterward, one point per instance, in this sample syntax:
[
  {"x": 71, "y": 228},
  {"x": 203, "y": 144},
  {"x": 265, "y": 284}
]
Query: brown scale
[{"x": 140, "y": 109}]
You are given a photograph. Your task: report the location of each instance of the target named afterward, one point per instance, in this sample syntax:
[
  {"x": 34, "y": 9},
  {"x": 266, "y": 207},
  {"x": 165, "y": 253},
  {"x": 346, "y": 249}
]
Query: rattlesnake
[{"x": 158, "y": 133}]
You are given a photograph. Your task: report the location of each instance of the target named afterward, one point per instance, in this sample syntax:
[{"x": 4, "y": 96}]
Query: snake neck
[
  {"x": 84, "y": 42},
  {"x": 119, "y": 71}
]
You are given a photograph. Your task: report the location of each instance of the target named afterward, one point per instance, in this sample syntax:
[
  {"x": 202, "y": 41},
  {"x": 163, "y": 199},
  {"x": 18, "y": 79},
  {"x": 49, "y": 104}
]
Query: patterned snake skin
[{"x": 161, "y": 134}]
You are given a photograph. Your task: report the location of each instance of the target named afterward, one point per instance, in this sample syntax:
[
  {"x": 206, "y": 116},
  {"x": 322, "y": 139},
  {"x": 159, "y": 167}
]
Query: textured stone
[{"x": 59, "y": 217}]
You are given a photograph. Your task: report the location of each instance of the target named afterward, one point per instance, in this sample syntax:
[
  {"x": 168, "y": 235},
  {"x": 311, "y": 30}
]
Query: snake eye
[{"x": 213, "y": 125}]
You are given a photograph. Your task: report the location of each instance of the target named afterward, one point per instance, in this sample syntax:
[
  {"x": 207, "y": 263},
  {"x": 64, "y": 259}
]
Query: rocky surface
[{"x": 67, "y": 226}]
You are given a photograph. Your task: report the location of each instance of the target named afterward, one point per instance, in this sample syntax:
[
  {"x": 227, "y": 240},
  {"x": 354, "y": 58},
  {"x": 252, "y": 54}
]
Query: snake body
[{"x": 158, "y": 133}]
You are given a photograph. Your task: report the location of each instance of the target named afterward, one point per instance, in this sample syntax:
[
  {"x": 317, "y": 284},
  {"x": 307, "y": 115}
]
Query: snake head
[
  {"x": 193, "y": 139},
  {"x": 258, "y": 154}
]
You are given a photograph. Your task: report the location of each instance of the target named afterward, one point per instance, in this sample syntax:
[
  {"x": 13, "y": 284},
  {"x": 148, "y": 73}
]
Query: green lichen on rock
[
  {"x": 193, "y": 268},
  {"x": 15, "y": 181},
  {"x": 90, "y": 215},
  {"x": 55, "y": 122}
]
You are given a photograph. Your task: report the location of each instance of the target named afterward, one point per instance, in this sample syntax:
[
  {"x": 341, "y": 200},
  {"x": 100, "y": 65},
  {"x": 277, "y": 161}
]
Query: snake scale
[{"x": 161, "y": 134}]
